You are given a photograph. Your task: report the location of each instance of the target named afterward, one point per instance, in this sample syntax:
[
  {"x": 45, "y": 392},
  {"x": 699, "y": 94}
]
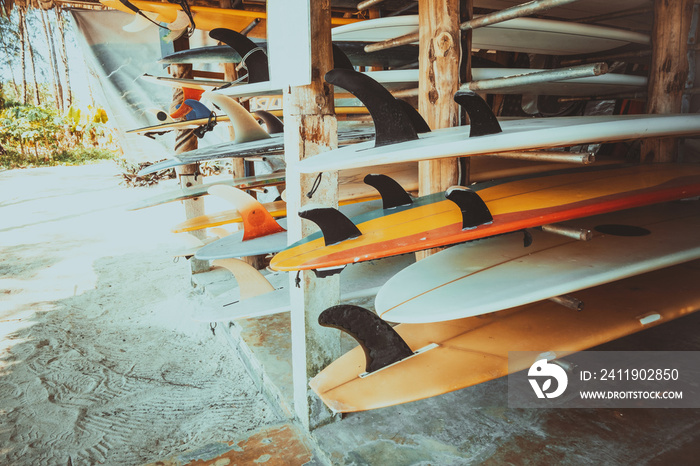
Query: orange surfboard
[{"x": 433, "y": 221}]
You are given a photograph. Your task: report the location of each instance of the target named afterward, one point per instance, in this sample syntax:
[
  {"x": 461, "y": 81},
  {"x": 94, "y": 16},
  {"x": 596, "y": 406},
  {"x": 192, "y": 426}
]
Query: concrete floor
[{"x": 475, "y": 426}]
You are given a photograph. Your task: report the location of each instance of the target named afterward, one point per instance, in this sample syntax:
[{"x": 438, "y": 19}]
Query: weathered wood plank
[
  {"x": 438, "y": 61},
  {"x": 311, "y": 128},
  {"x": 669, "y": 71}
]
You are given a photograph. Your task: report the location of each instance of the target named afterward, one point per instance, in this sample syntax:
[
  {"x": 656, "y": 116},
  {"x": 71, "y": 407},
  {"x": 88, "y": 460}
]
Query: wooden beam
[
  {"x": 668, "y": 73},
  {"x": 185, "y": 140},
  {"x": 311, "y": 128},
  {"x": 438, "y": 63}
]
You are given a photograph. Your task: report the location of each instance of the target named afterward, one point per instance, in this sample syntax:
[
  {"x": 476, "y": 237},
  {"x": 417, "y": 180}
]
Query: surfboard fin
[
  {"x": 393, "y": 195},
  {"x": 335, "y": 226},
  {"x": 474, "y": 210},
  {"x": 245, "y": 126},
  {"x": 392, "y": 124},
  {"x": 256, "y": 62},
  {"x": 527, "y": 238},
  {"x": 482, "y": 121},
  {"x": 257, "y": 221},
  {"x": 199, "y": 110},
  {"x": 273, "y": 124},
  {"x": 419, "y": 124},
  {"x": 382, "y": 345},
  {"x": 250, "y": 281},
  {"x": 340, "y": 60}
]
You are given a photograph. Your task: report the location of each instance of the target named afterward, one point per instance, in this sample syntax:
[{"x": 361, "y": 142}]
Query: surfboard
[
  {"x": 486, "y": 209},
  {"x": 527, "y": 35},
  {"x": 181, "y": 194},
  {"x": 397, "y": 140},
  {"x": 363, "y": 282},
  {"x": 391, "y": 79},
  {"x": 208, "y": 18},
  {"x": 249, "y": 140},
  {"x": 254, "y": 240},
  {"x": 351, "y": 190},
  {"x": 499, "y": 273},
  {"x": 473, "y": 350},
  {"x": 355, "y": 51},
  {"x": 396, "y": 79},
  {"x": 524, "y": 134}
]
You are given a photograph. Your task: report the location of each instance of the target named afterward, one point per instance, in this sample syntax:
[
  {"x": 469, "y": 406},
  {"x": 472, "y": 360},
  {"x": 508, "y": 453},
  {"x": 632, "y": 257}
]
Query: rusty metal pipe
[
  {"x": 517, "y": 11},
  {"x": 583, "y": 158},
  {"x": 582, "y": 71},
  {"x": 368, "y": 4}
]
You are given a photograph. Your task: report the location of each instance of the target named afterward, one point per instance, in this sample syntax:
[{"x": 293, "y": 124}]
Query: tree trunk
[
  {"x": 28, "y": 44},
  {"x": 22, "y": 57},
  {"x": 64, "y": 54},
  {"x": 48, "y": 34}
]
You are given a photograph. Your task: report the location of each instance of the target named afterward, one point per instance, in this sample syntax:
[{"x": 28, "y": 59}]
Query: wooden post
[
  {"x": 311, "y": 128},
  {"x": 185, "y": 140},
  {"x": 466, "y": 13},
  {"x": 438, "y": 63},
  {"x": 668, "y": 73}
]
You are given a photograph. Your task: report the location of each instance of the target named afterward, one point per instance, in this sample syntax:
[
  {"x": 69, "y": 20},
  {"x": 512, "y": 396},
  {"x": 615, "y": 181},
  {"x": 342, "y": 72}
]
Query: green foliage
[{"x": 32, "y": 135}]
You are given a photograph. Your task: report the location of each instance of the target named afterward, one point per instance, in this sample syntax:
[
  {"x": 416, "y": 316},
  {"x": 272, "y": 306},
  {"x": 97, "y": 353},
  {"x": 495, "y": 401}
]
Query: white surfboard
[
  {"x": 524, "y": 134},
  {"x": 529, "y": 35},
  {"x": 499, "y": 273},
  {"x": 360, "y": 281},
  {"x": 391, "y": 79},
  {"x": 398, "y": 79}
]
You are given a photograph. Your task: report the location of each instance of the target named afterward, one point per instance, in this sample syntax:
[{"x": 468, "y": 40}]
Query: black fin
[
  {"x": 335, "y": 226},
  {"x": 199, "y": 110},
  {"x": 474, "y": 210},
  {"x": 274, "y": 125},
  {"x": 393, "y": 195},
  {"x": 417, "y": 120},
  {"x": 340, "y": 60},
  {"x": 327, "y": 272},
  {"x": 482, "y": 121},
  {"x": 256, "y": 62},
  {"x": 527, "y": 238},
  {"x": 380, "y": 342},
  {"x": 392, "y": 124}
]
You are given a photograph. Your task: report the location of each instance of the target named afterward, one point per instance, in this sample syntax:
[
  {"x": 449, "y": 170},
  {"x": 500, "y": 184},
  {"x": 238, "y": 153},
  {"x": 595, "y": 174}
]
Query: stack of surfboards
[{"x": 526, "y": 285}]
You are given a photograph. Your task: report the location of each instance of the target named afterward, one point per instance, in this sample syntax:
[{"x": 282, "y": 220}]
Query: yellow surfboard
[
  {"x": 208, "y": 18},
  {"x": 352, "y": 189},
  {"x": 465, "y": 352}
]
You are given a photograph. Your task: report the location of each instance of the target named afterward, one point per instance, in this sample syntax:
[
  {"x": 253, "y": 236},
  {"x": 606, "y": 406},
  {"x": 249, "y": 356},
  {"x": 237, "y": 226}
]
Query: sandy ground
[{"x": 99, "y": 361}]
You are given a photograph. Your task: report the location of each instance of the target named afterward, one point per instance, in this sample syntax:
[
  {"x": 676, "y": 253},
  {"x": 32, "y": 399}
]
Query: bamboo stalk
[{"x": 584, "y": 158}]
